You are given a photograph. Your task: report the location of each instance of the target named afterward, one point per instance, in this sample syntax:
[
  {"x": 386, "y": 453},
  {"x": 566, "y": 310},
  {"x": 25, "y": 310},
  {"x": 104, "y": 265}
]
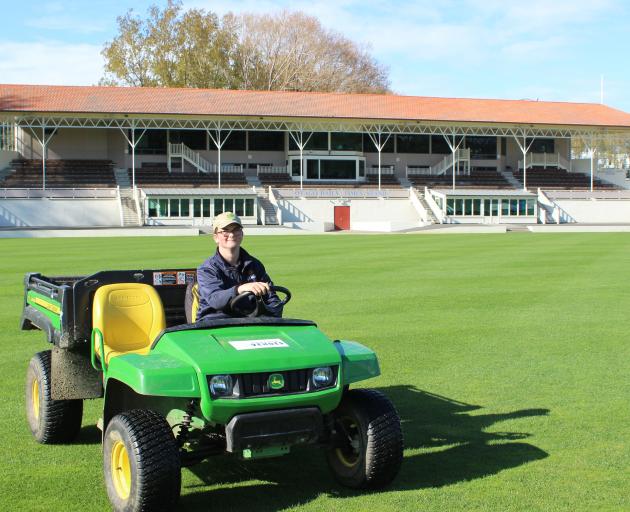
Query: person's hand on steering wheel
[{"x": 257, "y": 288}]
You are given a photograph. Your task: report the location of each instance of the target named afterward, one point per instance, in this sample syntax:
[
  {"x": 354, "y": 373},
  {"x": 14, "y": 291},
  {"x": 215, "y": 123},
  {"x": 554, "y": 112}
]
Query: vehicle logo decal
[{"x": 275, "y": 381}]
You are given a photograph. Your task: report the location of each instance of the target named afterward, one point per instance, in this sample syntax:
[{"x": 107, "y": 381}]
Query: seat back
[
  {"x": 129, "y": 316},
  {"x": 192, "y": 302}
]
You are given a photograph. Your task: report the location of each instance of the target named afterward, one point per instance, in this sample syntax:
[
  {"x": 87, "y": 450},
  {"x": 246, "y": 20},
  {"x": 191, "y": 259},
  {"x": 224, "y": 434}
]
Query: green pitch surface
[{"x": 507, "y": 356}]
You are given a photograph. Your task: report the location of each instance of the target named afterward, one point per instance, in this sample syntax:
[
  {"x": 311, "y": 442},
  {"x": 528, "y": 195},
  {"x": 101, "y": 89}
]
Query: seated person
[{"x": 232, "y": 271}]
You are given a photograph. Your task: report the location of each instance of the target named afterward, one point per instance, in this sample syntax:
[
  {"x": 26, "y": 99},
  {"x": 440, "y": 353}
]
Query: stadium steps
[
  {"x": 404, "y": 182},
  {"x": 517, "y": 228},
  {"x": 122, "y": 178},
  {"x": 253, "y": 180},
  {"x": 509, "y": 177},
  {"x": 128, "y": 205},
  {"x": 426, "y": 206},
  {"x": 270, "y": 217}
]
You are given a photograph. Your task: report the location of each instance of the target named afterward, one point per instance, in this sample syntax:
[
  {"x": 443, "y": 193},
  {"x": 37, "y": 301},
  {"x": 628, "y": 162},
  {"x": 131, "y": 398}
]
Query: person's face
[{"x": 229, "y": 237}]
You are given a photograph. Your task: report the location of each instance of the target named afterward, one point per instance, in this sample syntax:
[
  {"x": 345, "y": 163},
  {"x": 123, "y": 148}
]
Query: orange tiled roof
[{"x": 170, "y": 101}]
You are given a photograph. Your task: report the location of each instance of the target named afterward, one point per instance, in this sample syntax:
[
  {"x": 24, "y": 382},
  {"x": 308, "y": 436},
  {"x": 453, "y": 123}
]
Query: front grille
[
  {"x": 256, "y": 384},
  {"x": 248, "y": 385}
]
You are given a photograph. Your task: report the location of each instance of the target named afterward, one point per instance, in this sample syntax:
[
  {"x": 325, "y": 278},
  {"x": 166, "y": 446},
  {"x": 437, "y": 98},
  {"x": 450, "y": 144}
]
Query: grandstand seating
[
  {"x": 61, "y": 174},
  {"x": 153, "y": 175},
  {"x": 553, "y": 178},
  {"x": 478, "y": 178},
  {"x": 387, "y": 180}
]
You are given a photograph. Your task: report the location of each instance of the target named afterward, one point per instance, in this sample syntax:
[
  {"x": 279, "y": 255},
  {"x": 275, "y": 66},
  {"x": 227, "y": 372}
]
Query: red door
[{"x": 342, "y": 217}]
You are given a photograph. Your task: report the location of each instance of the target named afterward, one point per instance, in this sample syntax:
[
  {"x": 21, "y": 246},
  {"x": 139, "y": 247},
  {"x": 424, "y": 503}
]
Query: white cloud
[
  {"x": 51, "y": 63},
  {"x": 67, "y": 23}
]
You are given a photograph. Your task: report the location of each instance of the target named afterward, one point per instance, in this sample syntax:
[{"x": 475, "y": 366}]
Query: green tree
[
  {"x": 170, "y": 48},
  {"x": 193, "y": 48}
]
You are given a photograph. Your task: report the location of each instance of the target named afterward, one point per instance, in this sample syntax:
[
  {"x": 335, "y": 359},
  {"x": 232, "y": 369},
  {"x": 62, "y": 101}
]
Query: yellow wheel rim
[
  {"x": 349, "y": 462},
  {"x": 121, "y": 470},
  {"x": 35, "y": 398},
  {"x": 350, "y": 456}
]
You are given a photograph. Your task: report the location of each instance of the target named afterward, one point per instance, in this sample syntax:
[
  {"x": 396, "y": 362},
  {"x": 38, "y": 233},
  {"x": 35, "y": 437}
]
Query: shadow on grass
[
  {"x": 89, "y": 434},
  {"x": 455, "y": 449}
]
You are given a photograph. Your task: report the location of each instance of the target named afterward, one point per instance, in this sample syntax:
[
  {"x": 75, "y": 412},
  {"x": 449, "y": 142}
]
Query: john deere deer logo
[{"x": 276, "y": 381}]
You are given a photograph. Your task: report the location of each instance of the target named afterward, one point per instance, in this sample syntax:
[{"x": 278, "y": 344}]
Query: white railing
[
  {"x": 270, "y": 169},
  {"x": 340, "y": 193},
  {"x": 462, "y": 156},
  {"x": 58, "y": 193},
  {"x": 414, "y": 198},
  {"x": 545, "y": 160},
  {"x": 416, "y": 170},
  {"x": 438, "y": 213},
  {"x": 236, "y": 168},
  {"x": 273, "y": 199},
  {"x": 385, "y": 170},
  {"x": 7, "y": 137},
  {"x": 184, "y": 152},
  {"x": 553, "y": 210}
]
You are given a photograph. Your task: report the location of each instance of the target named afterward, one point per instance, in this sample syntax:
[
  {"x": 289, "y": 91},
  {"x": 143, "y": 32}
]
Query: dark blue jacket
[{"x": 218, "y": 281}]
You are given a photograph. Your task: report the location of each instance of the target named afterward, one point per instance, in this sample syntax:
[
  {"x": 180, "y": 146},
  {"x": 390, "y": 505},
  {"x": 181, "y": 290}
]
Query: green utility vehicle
[{"x": 177, "y": 392}]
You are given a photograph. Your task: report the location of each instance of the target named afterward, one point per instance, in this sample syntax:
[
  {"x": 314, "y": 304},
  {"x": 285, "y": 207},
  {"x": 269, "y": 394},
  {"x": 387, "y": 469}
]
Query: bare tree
[{"x": 292, "y": 51}]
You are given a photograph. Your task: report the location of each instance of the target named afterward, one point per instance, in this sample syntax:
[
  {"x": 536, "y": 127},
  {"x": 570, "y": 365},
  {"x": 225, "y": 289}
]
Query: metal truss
[{"x": 315, "y": 125}]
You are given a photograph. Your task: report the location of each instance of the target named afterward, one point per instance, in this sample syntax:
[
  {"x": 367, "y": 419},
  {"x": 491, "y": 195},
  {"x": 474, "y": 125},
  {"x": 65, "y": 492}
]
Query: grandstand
[{"x": 295, "y": 158}]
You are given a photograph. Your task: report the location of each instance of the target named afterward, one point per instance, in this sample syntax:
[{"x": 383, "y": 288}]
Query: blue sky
[{"x": 536, "y": 49}]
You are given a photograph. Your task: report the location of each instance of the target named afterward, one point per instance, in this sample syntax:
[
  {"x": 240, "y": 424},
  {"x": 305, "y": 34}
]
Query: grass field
[{"x": 507, "y": 356}]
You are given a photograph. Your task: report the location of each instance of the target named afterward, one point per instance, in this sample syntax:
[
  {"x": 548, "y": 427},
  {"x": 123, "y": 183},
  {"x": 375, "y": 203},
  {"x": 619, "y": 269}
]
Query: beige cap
[{"x": 224, "y": 219}]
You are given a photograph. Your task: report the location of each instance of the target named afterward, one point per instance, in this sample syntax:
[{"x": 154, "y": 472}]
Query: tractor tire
[
  {"x": 141, "y": 462},
  {"x": 51, "y": 421},
  {"x": 367, "y": 443}
]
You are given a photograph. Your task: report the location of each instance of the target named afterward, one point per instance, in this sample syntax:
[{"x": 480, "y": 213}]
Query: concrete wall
[
  {"x": 596, "y": 211},
  {"x": 77, "y": 143},
  {"x": 6, "y": 157},
  {"x": 397, "y": 212},
  {"x": 59, "y": 212}
]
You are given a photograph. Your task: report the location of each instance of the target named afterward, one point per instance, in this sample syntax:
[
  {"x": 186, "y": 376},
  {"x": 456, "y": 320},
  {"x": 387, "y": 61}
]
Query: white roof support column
[
  {"x": 376, "y": 140},
  {"x": 298, "y": 138},
  {"x": 218, "y": 142},
  {"x": 44, "y": 144},
  {"x": 133, "y": 142},
  {"x": 454, "y": 145},
  {"x": 589, "y": 144},
  {"x": 524, "y": 149}
]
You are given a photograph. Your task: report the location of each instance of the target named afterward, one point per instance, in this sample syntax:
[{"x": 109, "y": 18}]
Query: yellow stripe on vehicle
[{"x": 46, "y": 305}]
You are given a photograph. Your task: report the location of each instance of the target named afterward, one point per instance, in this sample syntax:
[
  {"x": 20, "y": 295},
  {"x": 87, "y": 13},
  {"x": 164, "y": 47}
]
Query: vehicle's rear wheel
[
  {"x": 50, "y": 421},
  {"x": 367, "y": 443},
  {"x": 141, "y": 462}
]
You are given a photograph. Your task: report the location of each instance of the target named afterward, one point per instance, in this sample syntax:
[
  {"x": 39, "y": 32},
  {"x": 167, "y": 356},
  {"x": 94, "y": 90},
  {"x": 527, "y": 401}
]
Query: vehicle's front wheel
[
  {"x": 141, "y": 462},
  {"x": 50, "y": 421},
  {"x": 367, "y": 443}
]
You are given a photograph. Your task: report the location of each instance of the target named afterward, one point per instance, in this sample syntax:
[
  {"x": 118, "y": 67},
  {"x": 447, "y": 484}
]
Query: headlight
[
  {"x": 221, "y": 385},
  {"x": 323, "y": 377}
]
